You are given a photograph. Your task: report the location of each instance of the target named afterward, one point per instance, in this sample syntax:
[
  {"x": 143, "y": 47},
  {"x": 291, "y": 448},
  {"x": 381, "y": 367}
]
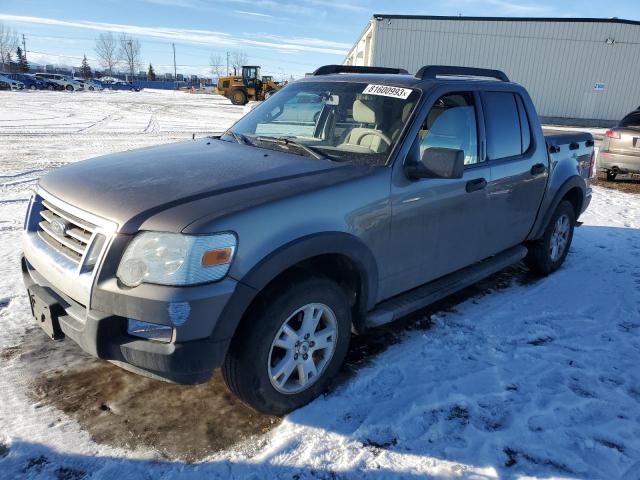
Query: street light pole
[
  {"x": 130, "y": 43},
  {"x": 175, "y": 74}
]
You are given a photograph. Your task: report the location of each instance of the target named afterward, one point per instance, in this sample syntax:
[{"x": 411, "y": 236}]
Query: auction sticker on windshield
[{"x": 387, "y": 91}]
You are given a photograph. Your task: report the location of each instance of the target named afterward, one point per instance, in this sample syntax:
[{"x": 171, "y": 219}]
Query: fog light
[{"x": 149, "y": 331}]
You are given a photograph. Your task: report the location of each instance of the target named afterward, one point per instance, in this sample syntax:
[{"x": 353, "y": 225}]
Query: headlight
[{"x": 176, "y": 259}]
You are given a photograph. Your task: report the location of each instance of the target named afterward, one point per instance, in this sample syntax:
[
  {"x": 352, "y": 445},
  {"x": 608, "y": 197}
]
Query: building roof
[{"x": 510, "y": 19}]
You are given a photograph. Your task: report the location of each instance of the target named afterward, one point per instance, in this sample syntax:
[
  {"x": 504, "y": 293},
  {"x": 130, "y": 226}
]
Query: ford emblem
[{"x": 59, "y": 227}]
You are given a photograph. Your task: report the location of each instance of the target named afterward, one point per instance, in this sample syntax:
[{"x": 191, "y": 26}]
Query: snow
[{"x": 526, "y": 378}]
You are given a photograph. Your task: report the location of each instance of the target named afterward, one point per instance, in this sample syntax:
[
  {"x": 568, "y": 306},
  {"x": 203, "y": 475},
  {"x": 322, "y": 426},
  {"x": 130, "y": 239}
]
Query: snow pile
[{"x": 537, "y": 379}]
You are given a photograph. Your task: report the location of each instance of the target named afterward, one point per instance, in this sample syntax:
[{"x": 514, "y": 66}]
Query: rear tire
[
  {"x": 272, "y": 359},
  {"x": 238, "y": 97},
  {"x": 547, "y": 254},
  {"x": 611, "y": 175}
]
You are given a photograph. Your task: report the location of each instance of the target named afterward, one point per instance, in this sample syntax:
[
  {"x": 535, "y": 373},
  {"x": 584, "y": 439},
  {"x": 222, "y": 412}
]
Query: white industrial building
[{"x": 580, "y": 71}]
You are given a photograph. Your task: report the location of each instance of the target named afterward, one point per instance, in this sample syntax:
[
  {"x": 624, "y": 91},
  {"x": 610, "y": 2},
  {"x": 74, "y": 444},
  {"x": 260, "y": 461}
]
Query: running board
[{"x": 406, "y": 303}]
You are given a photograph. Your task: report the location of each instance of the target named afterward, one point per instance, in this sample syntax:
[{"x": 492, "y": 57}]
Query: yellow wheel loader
[{"x": 250, "y": 86}]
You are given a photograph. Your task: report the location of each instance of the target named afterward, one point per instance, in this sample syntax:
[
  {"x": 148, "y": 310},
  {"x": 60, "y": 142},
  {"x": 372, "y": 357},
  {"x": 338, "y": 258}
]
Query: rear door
[{"x": 519, "y": 169}]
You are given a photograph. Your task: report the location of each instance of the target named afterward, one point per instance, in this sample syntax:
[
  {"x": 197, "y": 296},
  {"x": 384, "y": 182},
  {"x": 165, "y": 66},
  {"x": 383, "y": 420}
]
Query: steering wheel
[{"x": 375, "y": 133}]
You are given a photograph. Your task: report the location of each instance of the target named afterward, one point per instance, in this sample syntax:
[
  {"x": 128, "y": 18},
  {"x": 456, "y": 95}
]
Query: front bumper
[{"x": 104, "y": 335}]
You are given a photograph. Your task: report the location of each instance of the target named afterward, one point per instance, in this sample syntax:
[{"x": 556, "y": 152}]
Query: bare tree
[
  {"x": 8, "y": 43},
  {"x": 238, "y": 59},
  {"x": 130, "y": 49},
  {"x": 217, "y": 68},
  {"x": 107, "y": 52}
]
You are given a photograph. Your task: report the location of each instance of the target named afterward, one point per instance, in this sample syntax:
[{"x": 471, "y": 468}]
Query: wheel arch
[
  {"x": 340, "y": 256},
  {"x": 573, "y": 190}
]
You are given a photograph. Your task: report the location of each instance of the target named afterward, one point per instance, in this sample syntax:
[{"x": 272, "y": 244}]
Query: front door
[{"x": 438, "y": 224}]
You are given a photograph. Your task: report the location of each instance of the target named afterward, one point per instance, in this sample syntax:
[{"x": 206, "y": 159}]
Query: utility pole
[
  {"x": 227, "y": 64},
  {"x": 131, "y": 62},
  {"x": 175, "y": 73},
  {"x": 24, "y": 47}
]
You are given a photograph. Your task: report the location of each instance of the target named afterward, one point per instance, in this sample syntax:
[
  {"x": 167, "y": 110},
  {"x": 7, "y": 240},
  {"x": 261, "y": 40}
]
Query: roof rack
[
  {"x": 329, "y": 69},
  {"x": 432, "y": 71}
]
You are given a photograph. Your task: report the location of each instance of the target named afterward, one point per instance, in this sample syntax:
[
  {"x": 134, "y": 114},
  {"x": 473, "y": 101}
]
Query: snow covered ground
[{"x": 518, "y": 378}]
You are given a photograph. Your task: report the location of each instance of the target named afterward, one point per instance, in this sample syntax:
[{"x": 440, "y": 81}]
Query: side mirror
[{"x": 437, "y": 162}]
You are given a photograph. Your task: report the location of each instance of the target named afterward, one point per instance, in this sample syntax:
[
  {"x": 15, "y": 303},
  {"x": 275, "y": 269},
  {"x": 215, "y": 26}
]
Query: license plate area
[{"x": 46, "y": 311}]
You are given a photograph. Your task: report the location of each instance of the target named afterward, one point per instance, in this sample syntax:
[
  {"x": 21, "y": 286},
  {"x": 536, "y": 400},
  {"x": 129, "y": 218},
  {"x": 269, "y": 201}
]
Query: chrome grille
[{"x": 64, "y": 232}]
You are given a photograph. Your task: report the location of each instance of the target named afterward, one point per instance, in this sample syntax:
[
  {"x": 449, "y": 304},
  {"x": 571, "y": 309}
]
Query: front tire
[
  {"x": 547, "y": 254},
  {"x": 611, "y": 175},
  {"x": 288, "y": 350},
  {"x": 238, "y": 97},
  {"x": 69, "y": 88}
]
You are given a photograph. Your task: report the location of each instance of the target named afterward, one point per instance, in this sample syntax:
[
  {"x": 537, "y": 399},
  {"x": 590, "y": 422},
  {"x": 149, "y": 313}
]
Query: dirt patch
[
  {"x": 126, "y": 410},
  {"x": 628, "y": 185}
]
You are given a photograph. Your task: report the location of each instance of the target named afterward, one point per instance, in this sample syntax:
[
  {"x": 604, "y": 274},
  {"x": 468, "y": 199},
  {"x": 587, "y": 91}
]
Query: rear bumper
[
  {"x": 617, "y": 161},
  {"x": 104, "y": 335}
]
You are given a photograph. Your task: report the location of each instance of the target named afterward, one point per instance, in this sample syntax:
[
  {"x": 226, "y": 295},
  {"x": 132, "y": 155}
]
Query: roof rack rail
[
  {"x": 329, "y": 69},
  {"x": 432, "y": 71}
]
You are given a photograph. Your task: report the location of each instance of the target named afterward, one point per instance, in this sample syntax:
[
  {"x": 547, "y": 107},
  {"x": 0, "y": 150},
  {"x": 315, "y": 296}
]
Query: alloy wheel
[
  {"x": 559, "y": 237},
  {"x": 302, "y": 348}
]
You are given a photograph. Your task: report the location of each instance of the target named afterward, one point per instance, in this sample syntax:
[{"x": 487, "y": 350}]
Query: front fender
[{"x": 289, "y": 255}]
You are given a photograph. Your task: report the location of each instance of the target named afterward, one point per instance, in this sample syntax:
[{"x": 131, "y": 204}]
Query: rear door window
[{"x": 502, "y": 122}]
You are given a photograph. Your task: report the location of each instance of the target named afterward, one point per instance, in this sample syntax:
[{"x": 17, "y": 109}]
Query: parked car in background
[
  {"x": 12, "y": 83},
  {"x": 122, "y": 85},
  {"x": 262, "y": 249},
  {"x": 620, "y": 149},
  {"x": 67, "y": 83},
  {"x": 31, "y": 82},
  {"x": 90, "y": 85},
  {"x": 52, "y": 85}
]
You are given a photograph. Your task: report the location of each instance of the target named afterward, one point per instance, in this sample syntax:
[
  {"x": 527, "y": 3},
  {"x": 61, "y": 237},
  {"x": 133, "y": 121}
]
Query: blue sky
[{"x": 285, "y": 37}]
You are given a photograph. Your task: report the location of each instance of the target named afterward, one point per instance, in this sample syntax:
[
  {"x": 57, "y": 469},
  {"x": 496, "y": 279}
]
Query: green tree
[
  {"x": 23, "y": 65},
  {"x": 151, "y": 74},
  {"x": 85, "y": 69}
]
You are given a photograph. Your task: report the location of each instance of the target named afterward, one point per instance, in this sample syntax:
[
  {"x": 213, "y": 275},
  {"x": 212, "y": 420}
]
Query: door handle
[
  {"x": 538, "y": 169},
  {"x": 476, "y": 184}
]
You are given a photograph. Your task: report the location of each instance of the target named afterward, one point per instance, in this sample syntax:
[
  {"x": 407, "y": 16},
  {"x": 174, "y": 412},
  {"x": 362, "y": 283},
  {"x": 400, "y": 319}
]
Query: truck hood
[{"x": 130, "y": 187}]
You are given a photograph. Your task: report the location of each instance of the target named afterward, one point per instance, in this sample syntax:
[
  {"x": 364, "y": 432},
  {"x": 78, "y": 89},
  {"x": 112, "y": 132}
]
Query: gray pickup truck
[{"x": 347, "y": 200}]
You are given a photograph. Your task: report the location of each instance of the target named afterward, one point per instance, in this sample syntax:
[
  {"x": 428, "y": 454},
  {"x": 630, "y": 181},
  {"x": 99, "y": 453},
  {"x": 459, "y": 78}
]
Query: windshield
[{"x": 343, "y": 121}]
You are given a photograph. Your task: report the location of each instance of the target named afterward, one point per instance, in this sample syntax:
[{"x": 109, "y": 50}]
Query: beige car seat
[
  {"x": 397, "y": 130},
  {"x": 361, "y": 136}
]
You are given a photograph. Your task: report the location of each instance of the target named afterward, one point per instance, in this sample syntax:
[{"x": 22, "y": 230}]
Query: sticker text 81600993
[{"x": 387, "y": 91}]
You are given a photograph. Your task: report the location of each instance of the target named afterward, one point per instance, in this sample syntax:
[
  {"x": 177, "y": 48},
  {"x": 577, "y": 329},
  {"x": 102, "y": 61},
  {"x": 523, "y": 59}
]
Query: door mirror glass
[{"x": 438, "y": 162}]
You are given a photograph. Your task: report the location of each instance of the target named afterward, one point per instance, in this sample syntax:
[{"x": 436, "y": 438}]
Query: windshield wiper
[
  {"x": 239, "y": 137},
  {"x": 290, "y": 141}
]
